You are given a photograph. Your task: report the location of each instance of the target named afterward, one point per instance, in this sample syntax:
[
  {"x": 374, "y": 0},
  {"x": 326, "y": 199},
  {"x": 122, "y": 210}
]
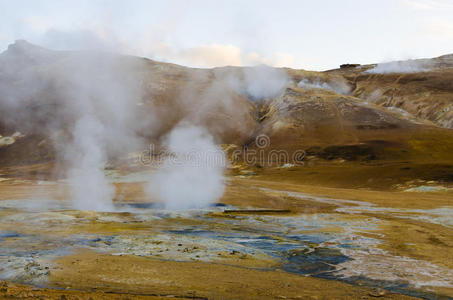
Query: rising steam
[
  {"x": 89, "y": 188},
  {"x": 259, "y": 82},
  {"x": 336, "y": 85},
  {"x": 93, "y": 107},
  {"x": 192, "y": 176},
  {"x": 407, "y": 66},
  {"x": 83, "y": 101},
  {"x": 102, "y": 104}
]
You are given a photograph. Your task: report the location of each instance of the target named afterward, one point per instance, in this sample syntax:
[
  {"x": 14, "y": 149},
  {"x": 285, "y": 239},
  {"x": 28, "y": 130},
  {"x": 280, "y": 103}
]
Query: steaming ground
[
  {"x": 330, "y": 237},
  {"x": 192, "y": 176},
  {"x": 131, "y": 177}
]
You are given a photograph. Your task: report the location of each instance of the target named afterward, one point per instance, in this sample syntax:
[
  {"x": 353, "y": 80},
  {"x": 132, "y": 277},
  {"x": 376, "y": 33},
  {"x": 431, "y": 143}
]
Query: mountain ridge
[{"x": 329, "y": 115}]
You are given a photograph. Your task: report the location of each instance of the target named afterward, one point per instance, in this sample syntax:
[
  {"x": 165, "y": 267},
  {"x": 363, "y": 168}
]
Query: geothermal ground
[
  {"x": 348, "y": 193},
  {"x": 264, "y": 239}
]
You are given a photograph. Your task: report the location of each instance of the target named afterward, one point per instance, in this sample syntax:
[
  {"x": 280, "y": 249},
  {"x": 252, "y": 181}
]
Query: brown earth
[{"x": 353, "y": 148}]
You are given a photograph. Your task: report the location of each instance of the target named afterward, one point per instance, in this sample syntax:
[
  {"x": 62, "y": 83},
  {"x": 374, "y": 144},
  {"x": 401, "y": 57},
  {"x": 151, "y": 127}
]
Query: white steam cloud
[
  {"x": 102, "y": 103},
  {"x": 84, "y": 102},
  {"x": 260, "y": 82},
  {"x": 265, "y": 82},
  {"x": 192, "y": 177},
  {"x": 93, "y": 107},
  {"x": 89, "y": 188},
  {"x": 407, "y": 66},
  {"x": 336, "y": 85}
]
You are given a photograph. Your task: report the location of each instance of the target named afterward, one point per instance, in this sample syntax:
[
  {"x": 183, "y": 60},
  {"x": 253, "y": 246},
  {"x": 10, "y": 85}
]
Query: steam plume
[
  {"x": 89, "y": 188},
  {"x": 336, "y": 85},
  {"x": 260, "y": 82},
  {"x": 193, "y": 176},
  {"x": 83, "y": 101},
  {"x": 407, "y": 66}
]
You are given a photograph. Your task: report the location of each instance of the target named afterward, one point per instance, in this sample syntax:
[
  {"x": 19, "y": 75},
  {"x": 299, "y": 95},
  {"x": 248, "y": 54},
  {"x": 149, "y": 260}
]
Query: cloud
[
  {"x": 440, "y": 28},
  {"x": 425, "y": 5},
  {"x": 37, "y": 23},
  {"x": 278, "y": 59},
  {"x": 151, "y": 46},
  {"x": 216, "y": 55},
  {"x": 429, "y": 4},
  {"x": 155, "y": 43},
  {"x": 205, "y": 55},
  {"x": 81, "y": 40}
]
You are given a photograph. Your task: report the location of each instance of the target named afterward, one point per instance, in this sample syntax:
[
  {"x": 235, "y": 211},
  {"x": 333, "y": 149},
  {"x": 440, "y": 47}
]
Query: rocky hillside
[
  {"x": 349, "y": 113},
  {"x": 421, "y": 88}
]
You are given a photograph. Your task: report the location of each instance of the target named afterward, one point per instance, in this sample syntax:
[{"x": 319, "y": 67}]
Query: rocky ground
[{"x": 310, "y": 241}]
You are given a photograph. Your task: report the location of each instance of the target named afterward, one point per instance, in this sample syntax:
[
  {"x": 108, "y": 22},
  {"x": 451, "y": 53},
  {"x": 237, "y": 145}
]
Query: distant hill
[{"x": 350, "y": 113}]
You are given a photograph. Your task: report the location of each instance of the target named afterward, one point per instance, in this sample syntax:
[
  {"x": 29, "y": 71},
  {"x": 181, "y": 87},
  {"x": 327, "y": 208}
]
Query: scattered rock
[
  {"x": 377, "y": 293},
  {"x": 346, "y": 66}
]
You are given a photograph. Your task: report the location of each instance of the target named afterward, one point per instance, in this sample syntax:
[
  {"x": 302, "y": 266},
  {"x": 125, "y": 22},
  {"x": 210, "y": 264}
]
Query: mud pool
[{"x": 341, "y": 245}]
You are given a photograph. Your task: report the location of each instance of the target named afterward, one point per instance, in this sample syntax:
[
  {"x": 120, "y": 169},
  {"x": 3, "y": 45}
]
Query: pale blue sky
[{"x": 302, "y": 34}]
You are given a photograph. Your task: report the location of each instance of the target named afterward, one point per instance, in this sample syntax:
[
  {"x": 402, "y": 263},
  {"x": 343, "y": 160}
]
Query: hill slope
[{"x": 340, "y": 114}]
